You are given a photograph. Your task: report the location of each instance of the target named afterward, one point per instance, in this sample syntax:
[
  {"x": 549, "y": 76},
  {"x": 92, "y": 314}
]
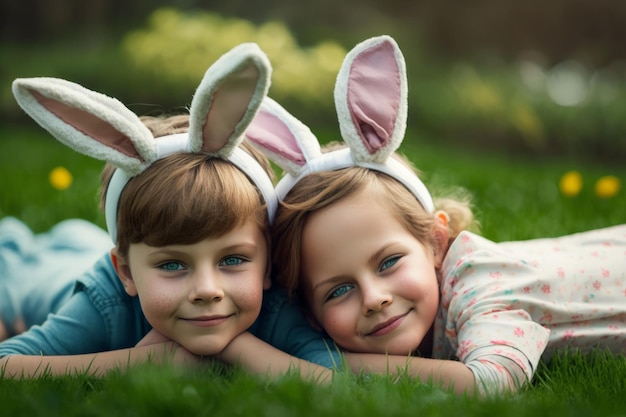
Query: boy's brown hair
[{"x": 185, "y": 197}]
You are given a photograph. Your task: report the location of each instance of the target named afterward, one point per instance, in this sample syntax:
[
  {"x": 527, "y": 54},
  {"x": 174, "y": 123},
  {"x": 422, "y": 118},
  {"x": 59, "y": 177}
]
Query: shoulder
[
  {"x": 467, "y": 245},
  {"x": 279, "y": 316},
  {"x": 275, "y": 302},
  {"x": 102, "y": 285},
  {"x": 468, "y": 242},
  {"x": 121, "y": 314},
  {"x": 476, "y": 268},
  {"x": 275, "y": 299}
]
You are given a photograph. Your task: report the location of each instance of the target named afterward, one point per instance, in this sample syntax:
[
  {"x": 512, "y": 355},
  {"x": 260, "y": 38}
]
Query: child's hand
[
  {"x": 180, "y": 355},
  {"x": 152, "y": 338},
  {"x": 177, "y": 355},
  {"x": 231, "y": 353}
]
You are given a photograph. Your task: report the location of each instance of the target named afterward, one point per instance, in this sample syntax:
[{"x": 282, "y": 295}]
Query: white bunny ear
[
  {"x": 225, "y": 103},
  {"x": 371, "y": 99},
  {"x": 227, "y": 99},
  {"x": 281, "y": 137},
  {"x": 88, "y": 122}
]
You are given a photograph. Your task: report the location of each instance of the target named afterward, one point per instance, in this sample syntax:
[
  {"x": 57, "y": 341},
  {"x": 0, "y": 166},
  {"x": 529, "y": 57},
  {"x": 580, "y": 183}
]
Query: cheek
[
  {"x": 338, "y": 322},
  {"x": 423, "y": 292},
  {"x": 418, "y": 286},
  {"x": 158, "y": 301},
  {"x": 248, "y": 295}
]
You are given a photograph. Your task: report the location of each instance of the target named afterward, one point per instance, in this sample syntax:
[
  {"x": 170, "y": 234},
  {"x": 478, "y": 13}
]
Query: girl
[
  {"x": 396, "y": 280},
  {"x": 189, "y": 214}
]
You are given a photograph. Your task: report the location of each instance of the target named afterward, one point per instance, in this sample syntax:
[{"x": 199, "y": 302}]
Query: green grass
[
  {"x": 572, "y": 386},
  {"x": 516, "y": 197}
]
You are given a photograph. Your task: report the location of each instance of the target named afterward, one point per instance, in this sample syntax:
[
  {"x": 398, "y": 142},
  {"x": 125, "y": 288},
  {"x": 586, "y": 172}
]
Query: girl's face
[
  {"x": 370, "y": 284},
  {"x": 204, "y": 294}
]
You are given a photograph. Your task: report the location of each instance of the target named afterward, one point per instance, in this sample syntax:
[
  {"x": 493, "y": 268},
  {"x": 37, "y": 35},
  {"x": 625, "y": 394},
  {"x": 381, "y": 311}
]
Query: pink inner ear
[
  {"x": 89, "y": 124},
  {"x": 271, "y": 133},
  {"x": 374, "y": 95},
  {"x": 228, "y": 107}
]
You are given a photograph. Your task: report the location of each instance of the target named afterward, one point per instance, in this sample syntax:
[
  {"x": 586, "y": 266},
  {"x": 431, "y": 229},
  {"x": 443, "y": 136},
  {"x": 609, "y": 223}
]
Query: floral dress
[{"x": 504, "y": 306}]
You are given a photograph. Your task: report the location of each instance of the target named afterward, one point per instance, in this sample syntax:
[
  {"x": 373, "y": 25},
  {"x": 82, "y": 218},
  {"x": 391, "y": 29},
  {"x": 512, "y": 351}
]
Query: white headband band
[
  {"x": 168, "y": 145},
  {"x": 223, "y": 107},
  {"x": 371, "y": 101},
  {"x": 342, "y": 158}
]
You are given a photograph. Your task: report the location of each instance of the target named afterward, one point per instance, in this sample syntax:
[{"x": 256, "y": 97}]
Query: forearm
[
  {"x": 256, "y": 356},
  {"x": 95, "y": 364},
  {"x": 445, "y": 373}
]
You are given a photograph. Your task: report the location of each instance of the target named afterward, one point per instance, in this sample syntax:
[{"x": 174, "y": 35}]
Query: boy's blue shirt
[{"x": 95, "y": 314}]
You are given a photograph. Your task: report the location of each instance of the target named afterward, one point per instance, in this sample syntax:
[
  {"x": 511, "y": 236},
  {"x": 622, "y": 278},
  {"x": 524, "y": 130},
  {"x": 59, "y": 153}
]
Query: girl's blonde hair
[
  {"x": 185, "y": 197},
  {"x": 320, "y": 190}
]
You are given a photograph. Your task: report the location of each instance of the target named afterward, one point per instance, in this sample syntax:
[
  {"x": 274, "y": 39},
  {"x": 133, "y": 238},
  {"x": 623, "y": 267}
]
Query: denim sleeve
[
  {"x": 77, "y": 328},
  {"x": 283, "y": 325}
]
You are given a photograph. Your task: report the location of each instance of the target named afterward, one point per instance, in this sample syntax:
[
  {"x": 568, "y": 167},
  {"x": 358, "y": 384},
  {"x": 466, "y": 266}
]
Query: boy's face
[
  {"x": 368, "y": 281},
  {"x": 204, "y": 294}
]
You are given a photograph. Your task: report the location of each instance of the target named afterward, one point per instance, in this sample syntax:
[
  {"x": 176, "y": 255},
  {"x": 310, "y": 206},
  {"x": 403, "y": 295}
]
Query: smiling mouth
[
  {"x": 207, "y": 321},
  {"x": 387, "y": 326}
]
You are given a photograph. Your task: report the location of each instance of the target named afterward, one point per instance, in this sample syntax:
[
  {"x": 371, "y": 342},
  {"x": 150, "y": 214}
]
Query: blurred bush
[
  {"x": 156, "y": 68},
  {"x": 525, "y": 106},
  {"x": 176, "y": 49}
]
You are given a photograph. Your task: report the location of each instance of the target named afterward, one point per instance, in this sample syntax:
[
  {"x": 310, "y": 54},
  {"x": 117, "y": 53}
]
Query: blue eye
[
  {"x": 389, "y": 262},
  {"x": 339, "y": 291},
  {"x": 232, "y": 261},
  {"x": 171, "y": 266}
]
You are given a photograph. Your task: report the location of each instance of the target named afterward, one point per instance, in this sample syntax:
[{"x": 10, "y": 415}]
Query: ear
[
  {"x": 227, "y": 99},
  {"x": 371, "y": 99},
  {"x": 441, "y": 232},
  {"x": 283, "y": 138},
  {"x": 88, "y": 122},
  {"x": 123, "y": 272}
]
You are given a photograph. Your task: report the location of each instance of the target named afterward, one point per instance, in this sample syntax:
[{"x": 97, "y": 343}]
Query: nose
[
  {"x": 205, "y": 287},
  {"x": 375, "y": 296}
]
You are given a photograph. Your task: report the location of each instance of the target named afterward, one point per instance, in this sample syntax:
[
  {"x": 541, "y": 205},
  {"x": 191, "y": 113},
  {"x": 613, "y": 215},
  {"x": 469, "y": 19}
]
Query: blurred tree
[{"x": 591, "y": 31}]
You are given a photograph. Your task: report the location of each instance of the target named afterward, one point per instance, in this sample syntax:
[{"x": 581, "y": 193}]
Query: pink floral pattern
[{"x": 525, "y": 300}]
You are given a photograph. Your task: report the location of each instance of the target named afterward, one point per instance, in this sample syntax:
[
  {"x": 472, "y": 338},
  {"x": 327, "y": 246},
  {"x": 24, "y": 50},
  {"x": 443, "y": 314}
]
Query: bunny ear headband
[
  {"x": 371, "y": 102},
  {"x": 99, "y": 126}
]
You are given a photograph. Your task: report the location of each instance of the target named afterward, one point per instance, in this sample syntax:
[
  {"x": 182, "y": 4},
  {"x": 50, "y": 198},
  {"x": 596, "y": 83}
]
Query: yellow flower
[
  {"x": 607, "y": 186},
  {"x": 60, "y": 178},
  {"x": 571, "y": 183}
]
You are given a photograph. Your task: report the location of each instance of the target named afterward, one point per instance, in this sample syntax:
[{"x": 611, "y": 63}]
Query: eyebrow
[
  {"x": 239, "y": 246},
  {"x": 372, "y": 259},
  {"x": 326, "y": 281},
  {"x": 173, "y": 250}
]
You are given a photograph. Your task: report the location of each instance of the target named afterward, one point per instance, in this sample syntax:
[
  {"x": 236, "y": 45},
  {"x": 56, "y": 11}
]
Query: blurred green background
[{"x": 505, "y": 97}]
